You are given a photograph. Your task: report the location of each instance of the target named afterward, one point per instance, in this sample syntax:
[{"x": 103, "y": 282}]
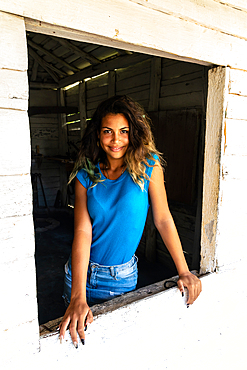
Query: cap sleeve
[
  {"x": 151, "y": 162},
  {"x": 82, "y": 176}
]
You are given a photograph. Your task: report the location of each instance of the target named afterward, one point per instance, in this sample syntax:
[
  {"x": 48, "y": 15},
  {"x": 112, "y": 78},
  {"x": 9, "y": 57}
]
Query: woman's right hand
[{"x": 77, "y": 316}]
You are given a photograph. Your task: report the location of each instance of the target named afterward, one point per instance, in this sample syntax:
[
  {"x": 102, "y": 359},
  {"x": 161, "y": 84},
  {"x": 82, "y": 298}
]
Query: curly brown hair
[{"x": 141, "y": 142}]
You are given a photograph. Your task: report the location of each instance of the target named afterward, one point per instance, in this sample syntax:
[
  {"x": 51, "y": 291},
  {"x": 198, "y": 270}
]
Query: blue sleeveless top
[{"x": 118, "y": 211}]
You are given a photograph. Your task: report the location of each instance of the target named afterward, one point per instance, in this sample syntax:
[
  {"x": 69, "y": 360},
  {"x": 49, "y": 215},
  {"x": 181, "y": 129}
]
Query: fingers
[
  {"x": 63, "y": 326},
  {"x": 77, "y": 323},
  {"x": 193, "y": 284},
  {"x": 89, "y": 318}
]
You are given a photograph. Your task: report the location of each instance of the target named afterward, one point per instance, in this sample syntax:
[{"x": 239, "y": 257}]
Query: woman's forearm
[
  {"x": 80, "y": 259},
  {"x": 169, "y": 234}
]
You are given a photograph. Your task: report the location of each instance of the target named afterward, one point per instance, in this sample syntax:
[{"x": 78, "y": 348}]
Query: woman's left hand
[{"x": 192, "y": 283}]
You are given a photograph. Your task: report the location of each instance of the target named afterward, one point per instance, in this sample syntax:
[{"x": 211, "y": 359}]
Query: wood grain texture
[
  {"x": 14, "y": 89},
  {"x": 216, "y": 106},
  {"x": 12, "y": 42},
  {"x": 111, "y": 83},
  {"x": 50, "y": 328},
  {"x": 82, "y": 107},
  {"x": 210, "y": 14},
  {"x": 162, "y": 34},
  {"x": 238, "y": 82},
  {"x": 155, "y": 79}
]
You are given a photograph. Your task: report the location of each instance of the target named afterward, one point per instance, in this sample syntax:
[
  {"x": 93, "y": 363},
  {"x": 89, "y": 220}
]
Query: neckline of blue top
[{"x": 120, "y": 178}]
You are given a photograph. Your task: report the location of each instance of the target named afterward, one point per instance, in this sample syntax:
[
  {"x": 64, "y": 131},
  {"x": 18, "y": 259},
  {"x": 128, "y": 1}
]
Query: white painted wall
[
  {"x": 232, "y": 218},
  {"x": 18, "y": 309},
  {"x": 160, "y": 333}
]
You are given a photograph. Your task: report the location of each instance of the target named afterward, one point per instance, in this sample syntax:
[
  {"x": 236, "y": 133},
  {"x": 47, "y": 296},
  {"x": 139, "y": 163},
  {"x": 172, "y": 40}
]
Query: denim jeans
[{"x": 104, "y": 282}]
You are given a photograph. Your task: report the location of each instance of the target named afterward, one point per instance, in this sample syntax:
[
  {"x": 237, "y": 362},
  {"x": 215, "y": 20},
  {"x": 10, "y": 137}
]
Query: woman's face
[{"x": 114, "y": 135}]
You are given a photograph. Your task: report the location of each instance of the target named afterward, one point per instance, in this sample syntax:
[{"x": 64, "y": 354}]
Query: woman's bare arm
[
  {"x": 164, "y": 222},
  {"x": 78, "y": 312}
]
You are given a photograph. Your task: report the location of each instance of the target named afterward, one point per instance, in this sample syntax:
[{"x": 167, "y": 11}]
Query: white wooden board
[
  {"x": 14, "y": 89},
  {"x": 19, "y": 278},
  {"x": 12, "y": 42},
  {"x": 15, "y": 196},
  {"x": 15, "y": 148},
  {"x": 237, "y": 107},
  {"x": 238, "y": 82},
  {"x": 236, "y": 137},
  {"x": 17, "y": 236},
  {"x": 162, "y": 34},
  {"x": 207, "y": 13}
]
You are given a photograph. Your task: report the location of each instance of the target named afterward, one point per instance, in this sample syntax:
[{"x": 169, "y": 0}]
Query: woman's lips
[{"x": 116, "y": 149}]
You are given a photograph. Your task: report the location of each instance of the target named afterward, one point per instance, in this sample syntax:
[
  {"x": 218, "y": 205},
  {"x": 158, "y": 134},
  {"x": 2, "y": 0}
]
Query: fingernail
[
  {"x": 182, "y": 294},
  {"x": 76, "y": 345},
  {"x": 61, "y": 340},
  {"x": 188, "y": 305},
  {"x": 85, "y": 328},
  {"x": 83, "y": 341}
]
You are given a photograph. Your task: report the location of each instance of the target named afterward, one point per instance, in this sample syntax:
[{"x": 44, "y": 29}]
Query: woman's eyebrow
[{"x": 110, "y": 128}]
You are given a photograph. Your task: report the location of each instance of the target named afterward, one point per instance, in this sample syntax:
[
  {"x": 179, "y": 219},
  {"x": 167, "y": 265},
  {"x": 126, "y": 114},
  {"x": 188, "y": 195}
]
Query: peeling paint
[{"x": 209, "y": 230}]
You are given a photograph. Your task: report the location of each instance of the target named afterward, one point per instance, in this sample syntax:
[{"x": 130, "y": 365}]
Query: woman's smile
[{"x": 115, "y": 149}]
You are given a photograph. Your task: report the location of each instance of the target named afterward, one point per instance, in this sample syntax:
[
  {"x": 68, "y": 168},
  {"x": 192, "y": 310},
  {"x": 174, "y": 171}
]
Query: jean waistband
[{"x": 114, "y": 268}]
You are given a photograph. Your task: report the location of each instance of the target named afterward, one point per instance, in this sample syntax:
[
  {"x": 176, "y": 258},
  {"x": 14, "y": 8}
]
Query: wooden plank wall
[{"x": 45, "y": 139}]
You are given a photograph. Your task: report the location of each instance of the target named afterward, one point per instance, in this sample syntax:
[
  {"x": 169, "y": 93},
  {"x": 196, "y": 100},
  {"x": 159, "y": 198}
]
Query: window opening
[{"x": 64, "y": 92}]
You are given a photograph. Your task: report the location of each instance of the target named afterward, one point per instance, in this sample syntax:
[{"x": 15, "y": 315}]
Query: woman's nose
[{"x": 115, "y": 137}]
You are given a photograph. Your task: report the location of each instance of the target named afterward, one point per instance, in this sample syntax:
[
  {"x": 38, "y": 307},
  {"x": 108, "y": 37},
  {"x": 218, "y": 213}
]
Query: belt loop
[{"x": 112, "y": 271}]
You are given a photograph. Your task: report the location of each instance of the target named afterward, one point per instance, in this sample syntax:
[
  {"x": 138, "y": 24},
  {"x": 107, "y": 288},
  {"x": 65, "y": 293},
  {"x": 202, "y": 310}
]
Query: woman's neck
[
  {"x": 112, "y": 170},
  {"x": 114, "y": 165}
]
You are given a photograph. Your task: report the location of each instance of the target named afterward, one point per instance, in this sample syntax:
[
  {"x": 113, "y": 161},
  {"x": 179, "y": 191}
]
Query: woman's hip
[
  {"x": 118, "y": 277},
  {"x": 105, "y": 282}
]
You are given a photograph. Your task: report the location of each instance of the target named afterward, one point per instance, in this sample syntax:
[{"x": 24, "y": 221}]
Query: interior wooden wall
[
  {"x": 45, "y": 143},
  {"x": 169, "y": 91}
]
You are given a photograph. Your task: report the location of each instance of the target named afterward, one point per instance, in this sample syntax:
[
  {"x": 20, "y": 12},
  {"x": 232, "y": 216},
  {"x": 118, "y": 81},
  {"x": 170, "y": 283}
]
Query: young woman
[{"x": 117, "y": 171}]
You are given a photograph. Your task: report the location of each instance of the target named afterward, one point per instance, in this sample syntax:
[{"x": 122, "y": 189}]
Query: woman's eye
[
  {"x": 124, "y": 131},
  {"x": 107, "y": 131}
]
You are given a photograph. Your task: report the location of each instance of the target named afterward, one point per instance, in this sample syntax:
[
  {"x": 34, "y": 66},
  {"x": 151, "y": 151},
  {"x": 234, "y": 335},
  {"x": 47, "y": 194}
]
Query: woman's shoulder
[
  {"x": 84, "y": 178},
  {"x": 152, "y": 158}
]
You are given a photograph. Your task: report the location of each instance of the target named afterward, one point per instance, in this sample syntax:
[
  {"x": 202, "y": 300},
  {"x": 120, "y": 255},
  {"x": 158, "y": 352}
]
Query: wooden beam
[
  {"x": 235, "y": 4},
  {"x": 163, "y": 34},
  {"x": 43, "y": 64},
  {"x": 34, "y": 70},
  {"x": 90, "y": 58},
  {"x": 155, "y": 79},
  {"x": 32, "y": 111},
  {"x": 56, "y": 58},
  {"x": 82, "y": 107},
  {"x": 216, "y": 112},
  {"x": 120, "y": 62},
  {"x": 49, "y": 65},
  {"x": 224, "y": 16},
  {"x": 111, "y": 83},
  {"x": 63, "y": 147},
  {"x": 43, "y": 85}
]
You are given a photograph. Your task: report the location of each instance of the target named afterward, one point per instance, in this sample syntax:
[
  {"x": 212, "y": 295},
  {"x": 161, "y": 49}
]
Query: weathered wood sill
[{"x": 51, "y": 327}]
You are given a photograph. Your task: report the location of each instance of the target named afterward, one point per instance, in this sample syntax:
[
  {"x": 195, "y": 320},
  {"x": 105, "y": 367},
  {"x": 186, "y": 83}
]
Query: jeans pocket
[{"x": 128, "y": 272}]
